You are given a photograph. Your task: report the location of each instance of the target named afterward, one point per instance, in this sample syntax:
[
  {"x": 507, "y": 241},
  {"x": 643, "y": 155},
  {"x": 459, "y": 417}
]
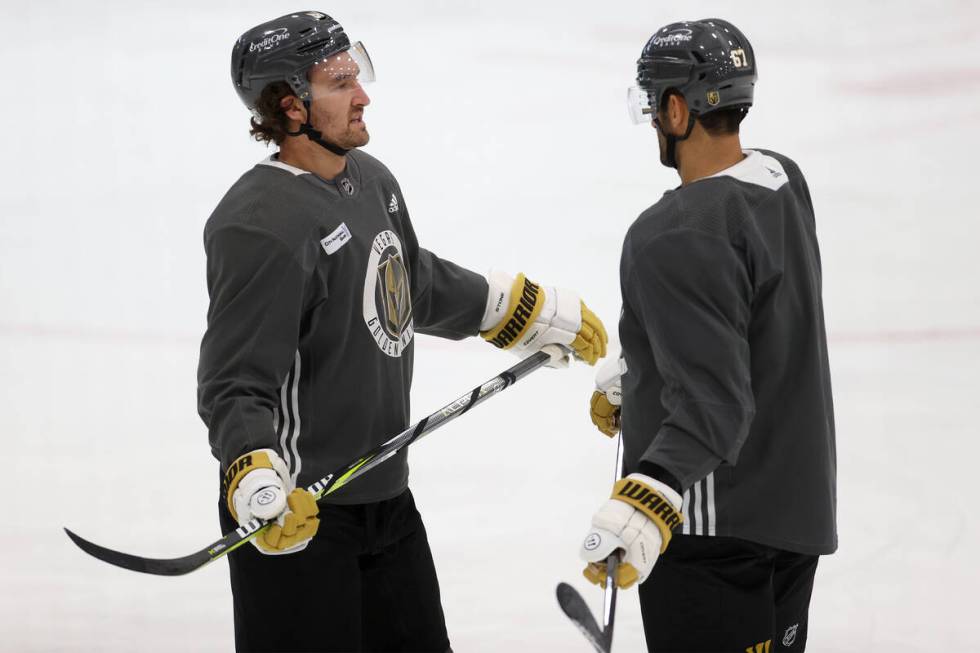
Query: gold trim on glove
[
  {"x": 604, "y": 414},
  {"x": 299, "y": 523},
  {"x": 590, "y": 342},
  {"x": 237, "y": 471},
  {"x": 626, "y": 574},
  {"x": 652, "y": 504},
  {"x": 526, "y": 302}
]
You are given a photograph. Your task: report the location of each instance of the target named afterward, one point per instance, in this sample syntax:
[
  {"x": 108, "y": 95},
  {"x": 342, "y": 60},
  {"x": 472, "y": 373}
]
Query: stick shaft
[
  {"x": 333, "y": 482},
  {"x": 326, "y": 485},
  {"x": 609, "y": 595}
]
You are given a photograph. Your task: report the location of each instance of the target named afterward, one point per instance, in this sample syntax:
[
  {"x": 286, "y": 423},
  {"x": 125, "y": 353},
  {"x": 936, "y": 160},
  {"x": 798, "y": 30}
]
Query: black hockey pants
[
  {"x": 365, "y": 583},
  {"x": 723, "y": 594}
]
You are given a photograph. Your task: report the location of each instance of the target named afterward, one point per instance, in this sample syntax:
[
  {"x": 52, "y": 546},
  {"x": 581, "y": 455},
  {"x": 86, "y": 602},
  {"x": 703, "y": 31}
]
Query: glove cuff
[
  {"x": 526, "y": 302},
  {"x": 608, "y": 379},
  {"x": 658, "y": 502},
  {"x": 258, "y": 459}
]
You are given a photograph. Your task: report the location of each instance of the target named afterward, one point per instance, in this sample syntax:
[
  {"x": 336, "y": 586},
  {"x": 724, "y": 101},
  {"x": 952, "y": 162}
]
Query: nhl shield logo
[
  {"x": 714, "y": 98},
  {"x": 790, "y": 635}
]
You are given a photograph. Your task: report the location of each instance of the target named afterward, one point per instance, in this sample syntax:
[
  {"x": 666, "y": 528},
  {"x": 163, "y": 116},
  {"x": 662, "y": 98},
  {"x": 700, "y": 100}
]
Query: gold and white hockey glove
[
  {"x": 523, "y": 316},
  {"x": 258, "y": 485},
  {"x": 638, "y": 520},
  {"x": 605, "y": 406}
]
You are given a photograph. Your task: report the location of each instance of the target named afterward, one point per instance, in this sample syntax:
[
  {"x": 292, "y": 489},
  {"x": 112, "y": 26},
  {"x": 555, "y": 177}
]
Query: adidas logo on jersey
[{"x": 393, "y": 204}]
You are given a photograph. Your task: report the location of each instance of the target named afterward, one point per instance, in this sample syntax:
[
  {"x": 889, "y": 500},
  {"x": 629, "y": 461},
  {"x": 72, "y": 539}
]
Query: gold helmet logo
[{"x": 713, "y": 98}]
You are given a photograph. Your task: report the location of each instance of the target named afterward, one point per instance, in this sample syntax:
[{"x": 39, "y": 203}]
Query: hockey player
[
  {"x": 317, "y": 286},
  {"x": 723, "y": 387}
]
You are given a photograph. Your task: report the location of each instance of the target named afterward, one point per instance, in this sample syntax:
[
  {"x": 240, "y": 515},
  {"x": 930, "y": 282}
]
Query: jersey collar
[
  {"x": 756, "y": 168},
  {"x": 345, "y": 184}
]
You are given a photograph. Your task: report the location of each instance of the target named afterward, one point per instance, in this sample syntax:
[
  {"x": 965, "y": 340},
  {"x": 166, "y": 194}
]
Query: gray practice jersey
[
  {"x": 317, "y": 288},
  {"x": 728, "y": 383}
]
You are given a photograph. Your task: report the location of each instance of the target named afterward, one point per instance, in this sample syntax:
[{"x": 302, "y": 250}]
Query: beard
[
  {"x": 662, "y": 143},
  {"x": 344, "y": 134},
  {"x": 354, "y": 137}
]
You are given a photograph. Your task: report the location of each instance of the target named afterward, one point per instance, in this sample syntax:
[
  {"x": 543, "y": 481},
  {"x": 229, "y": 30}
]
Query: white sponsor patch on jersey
[
  {"x": 393, "y": 204},
  {"x": 337, "y": 239}
]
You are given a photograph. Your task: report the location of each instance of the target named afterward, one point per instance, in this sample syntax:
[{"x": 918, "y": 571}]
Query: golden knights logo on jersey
[
  {"x": 388, "y": 296},
  {"x": 392, "y": 295}
]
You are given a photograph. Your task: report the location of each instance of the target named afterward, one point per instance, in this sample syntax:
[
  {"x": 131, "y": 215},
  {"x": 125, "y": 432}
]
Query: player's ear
[
  {"x": 677, "y": 113},
  {"x": 293, "y": 108}
]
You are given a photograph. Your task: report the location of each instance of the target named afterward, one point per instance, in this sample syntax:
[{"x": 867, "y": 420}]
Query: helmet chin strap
[
  {"x": 672, "y": 142},
  {"x": 315, "y": 135}
]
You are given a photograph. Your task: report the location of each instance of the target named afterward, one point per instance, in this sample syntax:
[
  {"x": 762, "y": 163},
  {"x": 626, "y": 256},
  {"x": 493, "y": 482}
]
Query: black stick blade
[
  {"x": 159, "y": 567},
  {"x": 574, "y": 607}
]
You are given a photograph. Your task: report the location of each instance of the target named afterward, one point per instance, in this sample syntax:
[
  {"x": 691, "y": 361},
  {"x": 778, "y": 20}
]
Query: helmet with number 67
[{"x": 709, "y": 61}]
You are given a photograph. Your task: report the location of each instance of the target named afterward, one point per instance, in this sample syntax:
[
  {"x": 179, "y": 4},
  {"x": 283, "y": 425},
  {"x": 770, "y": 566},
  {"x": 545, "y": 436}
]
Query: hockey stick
[
  {"x": 574, "y": 606},
  {"x": 329, "y": 483}
]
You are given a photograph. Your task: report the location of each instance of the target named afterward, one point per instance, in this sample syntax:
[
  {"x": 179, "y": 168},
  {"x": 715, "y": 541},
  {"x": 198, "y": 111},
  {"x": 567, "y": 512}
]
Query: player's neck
[
  {"x": 706, "y": 156},
  {"x": 301, "y": 152}
]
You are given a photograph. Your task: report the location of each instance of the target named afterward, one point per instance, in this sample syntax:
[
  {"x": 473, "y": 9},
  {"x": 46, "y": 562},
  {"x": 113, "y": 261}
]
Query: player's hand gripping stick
[
  {"x": 607, "y": 400},
  {"x": 638, "y": 520}
]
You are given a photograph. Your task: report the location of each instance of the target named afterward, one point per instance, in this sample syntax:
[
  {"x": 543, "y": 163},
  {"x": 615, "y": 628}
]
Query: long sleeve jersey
[
  {"x": 728, "y": 381},
  {"x": 316, "y": 290}
]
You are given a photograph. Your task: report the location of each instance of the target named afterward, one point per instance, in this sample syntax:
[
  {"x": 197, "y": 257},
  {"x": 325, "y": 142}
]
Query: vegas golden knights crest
[
  {"x": 392, "y": 294},
  {"x": 388, "y": 296}
]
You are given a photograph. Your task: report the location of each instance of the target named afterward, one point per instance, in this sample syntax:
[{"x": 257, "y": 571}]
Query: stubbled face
[
  {"x": 338, "y": 101},
  {"x": 657, "y": 123}
]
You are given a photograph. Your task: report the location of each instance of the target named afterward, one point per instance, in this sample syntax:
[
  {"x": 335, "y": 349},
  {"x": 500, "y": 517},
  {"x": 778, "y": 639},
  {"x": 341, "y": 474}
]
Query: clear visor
[
  {"x": 342, "y": 71},
  {"x": 638, "y": 103}
]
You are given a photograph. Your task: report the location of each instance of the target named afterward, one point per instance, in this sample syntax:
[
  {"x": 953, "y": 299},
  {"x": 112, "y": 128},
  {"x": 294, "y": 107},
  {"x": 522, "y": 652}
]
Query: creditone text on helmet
[
  {"x": 270, "y": 41},
  {"x": 674, "y": 38}
]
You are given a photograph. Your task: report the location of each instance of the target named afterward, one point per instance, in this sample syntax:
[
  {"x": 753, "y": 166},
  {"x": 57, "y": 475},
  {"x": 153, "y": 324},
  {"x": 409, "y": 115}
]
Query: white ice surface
[{"x": 506, "y": 126}]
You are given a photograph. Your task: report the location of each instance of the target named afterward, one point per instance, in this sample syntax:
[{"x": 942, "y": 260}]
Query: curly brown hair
[{"x": 274, "y": 125}]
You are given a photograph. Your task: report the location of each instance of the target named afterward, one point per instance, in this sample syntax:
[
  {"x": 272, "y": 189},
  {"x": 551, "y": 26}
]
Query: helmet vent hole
[
  {"x": 313, "y": 46},
  {"x": 306, "y": 31}
]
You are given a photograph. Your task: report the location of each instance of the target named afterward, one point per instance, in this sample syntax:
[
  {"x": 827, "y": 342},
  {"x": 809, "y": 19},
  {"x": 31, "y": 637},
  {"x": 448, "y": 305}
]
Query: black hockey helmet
[
  {"x": 285, "y": 49},
  {"x": 709, "y": 61}
]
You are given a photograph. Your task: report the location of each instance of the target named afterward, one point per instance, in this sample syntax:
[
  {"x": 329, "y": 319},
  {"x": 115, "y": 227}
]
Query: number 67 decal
[{"x": 739, "y": 58}]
